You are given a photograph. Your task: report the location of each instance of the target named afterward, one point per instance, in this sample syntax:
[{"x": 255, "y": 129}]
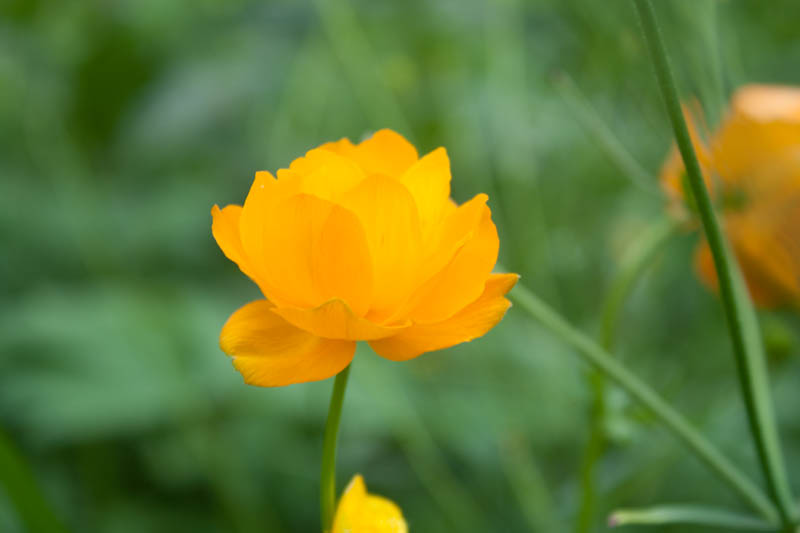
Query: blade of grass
[
  {"x": 24, "y": 493},
  {"x": 529, "y": 485},
  {"x": 634, "y": 264},
  {"x": 739, "y": 313},
  {"x": 350, "y": 43},
  {"x": 602, "y": 134},
  {"x": 687, "y": 514},
  {"x": 649, "y": 398}
]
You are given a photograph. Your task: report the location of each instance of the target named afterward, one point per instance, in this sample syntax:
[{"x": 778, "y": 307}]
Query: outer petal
[
  {"x": 386, "y": 152},
  {"x": 360, "y": 512},
  {"x": 429, "y": 182},
  {"x": 471, "y": 322},
  {"x": 265, "y": 193},
  {"x": 761, "y": 134},
  {"x": 763, "y": 296},
  {"x": 389, "y": 217},
  {"x": 313, "y": 251},
  {"x": 768, "y": 102},
  {"x": 768, "y": 248},
  {"x": 672, "y": 172},
  {"x": 271, "y": 353},
  {"x": 335, "y": 320},
  {"x": 462, "y": 280},
  {"x": 225, "y": 228}
]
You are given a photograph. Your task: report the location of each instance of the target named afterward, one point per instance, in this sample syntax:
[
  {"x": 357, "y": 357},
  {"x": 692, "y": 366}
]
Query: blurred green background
[{"x": 122, "y": 123}]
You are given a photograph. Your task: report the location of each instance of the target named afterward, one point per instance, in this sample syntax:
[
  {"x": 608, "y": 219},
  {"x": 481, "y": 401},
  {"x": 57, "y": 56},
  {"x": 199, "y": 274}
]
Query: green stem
[
  {"x": 633, "y": 265},
  {"x": 747, "y": 344},
  {"x": 327, "y": 476},
  {"x": 640, "y": 391}
]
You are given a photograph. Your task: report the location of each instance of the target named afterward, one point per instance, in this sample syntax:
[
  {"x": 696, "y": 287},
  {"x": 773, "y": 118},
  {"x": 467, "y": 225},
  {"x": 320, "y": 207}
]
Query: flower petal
[
  {"x": 324, "y": 174},
  {"x": 768, "y": 102},
  {"x": 270, "y": 352},
  {"x": 314, "y": 251},
  {"x": 428, "y": 180},
  {"x": 462, "y": 280},
  {"x": 459, "y": 226},
  {"x": 335, "y": 320},
  {"x": 361, "y": 512},
  {"x": 225, "y": 228},
  {"x": 386, "y": 152},
  {"x": 389, "y": 217},
  {"x": 264, "y": 193},
  {"x": 471, "y": 322}
]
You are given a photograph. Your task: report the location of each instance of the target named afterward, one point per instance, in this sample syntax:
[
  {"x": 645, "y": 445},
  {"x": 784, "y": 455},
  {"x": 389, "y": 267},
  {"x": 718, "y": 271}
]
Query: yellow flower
[
  {"x": 357, "y": 242},
  {"x": 751, "y": 166},
  {"x": 361, "y": 512}
]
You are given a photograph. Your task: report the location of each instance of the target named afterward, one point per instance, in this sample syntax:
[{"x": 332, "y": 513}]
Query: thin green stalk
[
  {"x": 327, "y": 476},
  {"x": 643, "y": 393},
  {"x": 739, "y": 313},
  {"x": 24, "y": 493},
  {"x": 634, "y": 264}
]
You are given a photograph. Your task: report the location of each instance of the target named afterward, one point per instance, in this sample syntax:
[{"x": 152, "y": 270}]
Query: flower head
[
  {"x": 361, "y": 512},
  {"x": 357, "y": 242},
  {"x": 751, "y": 166}
]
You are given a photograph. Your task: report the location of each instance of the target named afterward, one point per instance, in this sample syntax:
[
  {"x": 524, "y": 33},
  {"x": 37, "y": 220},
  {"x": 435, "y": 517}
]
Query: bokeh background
[{"x": 122, "y": 123}]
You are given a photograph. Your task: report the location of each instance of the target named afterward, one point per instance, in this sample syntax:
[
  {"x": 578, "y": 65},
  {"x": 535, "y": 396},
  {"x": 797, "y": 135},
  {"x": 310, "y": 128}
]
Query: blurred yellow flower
[
  {"x": 357, "y": 242},
  {"x": 751, "y": 166},
  {"x": 361, "y": 512}
]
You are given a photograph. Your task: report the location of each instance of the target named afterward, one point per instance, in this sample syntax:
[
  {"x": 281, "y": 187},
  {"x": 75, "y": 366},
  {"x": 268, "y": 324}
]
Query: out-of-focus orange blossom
[{"x": 751, "y": 166}]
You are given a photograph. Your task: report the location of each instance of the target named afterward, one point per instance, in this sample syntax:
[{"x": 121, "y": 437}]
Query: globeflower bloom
[
  {"x": 361, "y": 512},
  {"x": 751, "y": 166},
  {"x": 357, "y": 243}
]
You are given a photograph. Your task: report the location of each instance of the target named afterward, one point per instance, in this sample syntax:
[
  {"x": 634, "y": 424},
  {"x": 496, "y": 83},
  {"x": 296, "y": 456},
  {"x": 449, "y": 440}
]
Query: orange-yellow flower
[
  {"x": 751, "y": 166},
  {"x": 361, "y": 512},
  {"x": 357, "y": 242}
]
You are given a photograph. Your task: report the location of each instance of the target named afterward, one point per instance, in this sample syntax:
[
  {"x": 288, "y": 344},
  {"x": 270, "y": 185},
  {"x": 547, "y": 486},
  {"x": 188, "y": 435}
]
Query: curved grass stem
[
  {"x": 328, "y": 473},
  {"x": 649, "y": 398},
  {"x": 739, "y": 313},
  {"x": 635, "y": 262}
]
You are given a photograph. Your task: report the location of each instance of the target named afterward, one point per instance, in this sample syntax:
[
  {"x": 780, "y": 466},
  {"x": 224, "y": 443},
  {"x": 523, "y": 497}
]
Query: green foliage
[{"x": 122, "y": 123}]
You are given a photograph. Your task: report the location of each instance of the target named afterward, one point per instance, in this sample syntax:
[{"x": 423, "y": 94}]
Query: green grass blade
[
  {"x": 745, "y": 336},
  {"x": 23, "y": 491},
  {"x": 688, "y": 514},
  {"x": 649, "y": 398}
]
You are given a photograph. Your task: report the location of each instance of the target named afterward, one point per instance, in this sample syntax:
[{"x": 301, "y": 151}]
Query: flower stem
[
  {"x": 634, "y": 264},
  {"x": 640, "y": 391},
  {"x": 327, "y": 476},
  {"x": 739, "y": 313}
]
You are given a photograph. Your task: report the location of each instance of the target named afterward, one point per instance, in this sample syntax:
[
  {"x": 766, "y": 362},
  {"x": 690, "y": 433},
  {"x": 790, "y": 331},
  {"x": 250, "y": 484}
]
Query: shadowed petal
[{"x": 335, "y": 320}]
